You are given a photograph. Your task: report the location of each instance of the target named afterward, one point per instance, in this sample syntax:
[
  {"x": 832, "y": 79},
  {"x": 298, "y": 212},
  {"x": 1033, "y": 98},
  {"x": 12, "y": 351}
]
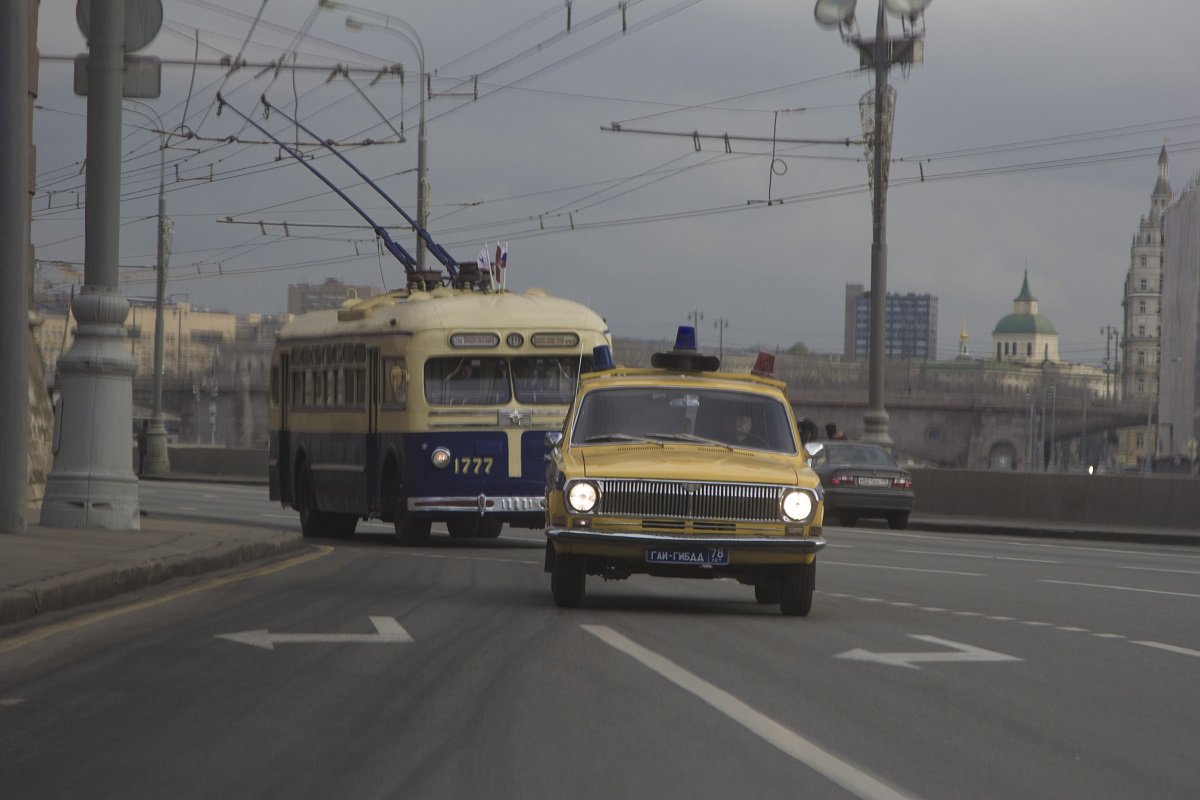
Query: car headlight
[
  {"x": 797, "y": 505},
  {"x": 440, "y": 457},
  {"x": 582, "y": 496}
]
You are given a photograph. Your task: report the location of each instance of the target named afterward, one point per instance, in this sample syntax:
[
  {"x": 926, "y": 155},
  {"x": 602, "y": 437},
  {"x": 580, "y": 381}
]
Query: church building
[{"x": 1025, "y": 336}]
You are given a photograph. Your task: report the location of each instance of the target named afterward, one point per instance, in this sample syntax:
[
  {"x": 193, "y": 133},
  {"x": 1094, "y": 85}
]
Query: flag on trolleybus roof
[
  {"x": 501, "y": 261},
  {"x": 483, "y": 261}
]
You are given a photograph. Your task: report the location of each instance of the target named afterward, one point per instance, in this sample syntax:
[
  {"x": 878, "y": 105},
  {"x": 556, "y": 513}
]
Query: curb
[{"x": 102, "y": 583}]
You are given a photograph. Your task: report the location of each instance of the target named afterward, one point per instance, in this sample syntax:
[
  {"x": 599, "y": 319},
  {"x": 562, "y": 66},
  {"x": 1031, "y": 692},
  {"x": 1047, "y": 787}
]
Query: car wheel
[
  {"x": 489, "y": 528},
  {"x": 897, "y": 520},
  {"x": 796, "y": 589},
  {"x": 568, "y": 581},
  {"x": 767, "y": 589},
  {"x": 463, "y": 527}
]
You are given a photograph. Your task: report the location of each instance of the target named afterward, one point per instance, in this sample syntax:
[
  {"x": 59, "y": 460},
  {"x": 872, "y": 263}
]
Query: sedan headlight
[
  {"x": 797, "y": 505},
  {"x": 440, "y": 457},
  {"x": 582, "y": 496}
]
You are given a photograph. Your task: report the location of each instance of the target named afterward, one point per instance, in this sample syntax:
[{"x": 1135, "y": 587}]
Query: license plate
[
  {"x": 695, "y": 556},
  {"x": 881, "y": 482}
]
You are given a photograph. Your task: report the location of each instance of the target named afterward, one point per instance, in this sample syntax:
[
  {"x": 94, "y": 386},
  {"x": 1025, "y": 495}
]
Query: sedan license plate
[
  {"x": 878, "y": 482},
  {"x": 695, "y": 556}
]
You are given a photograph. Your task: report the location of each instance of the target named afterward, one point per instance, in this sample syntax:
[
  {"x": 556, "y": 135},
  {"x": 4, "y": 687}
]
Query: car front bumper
[{"x": 630, "y": 545}]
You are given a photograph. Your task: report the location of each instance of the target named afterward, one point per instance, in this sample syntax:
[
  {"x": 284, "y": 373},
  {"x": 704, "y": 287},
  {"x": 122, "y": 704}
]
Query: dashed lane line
[{"x": 1028, "y": 622}]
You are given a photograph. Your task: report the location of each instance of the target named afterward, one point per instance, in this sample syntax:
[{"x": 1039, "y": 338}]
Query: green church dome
[{"x": 1025, "y": 324}]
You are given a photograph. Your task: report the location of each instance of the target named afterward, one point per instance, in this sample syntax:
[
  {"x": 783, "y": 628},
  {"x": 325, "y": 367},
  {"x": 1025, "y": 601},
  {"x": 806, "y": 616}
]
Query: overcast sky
[{"x": 1036, "y": 125}]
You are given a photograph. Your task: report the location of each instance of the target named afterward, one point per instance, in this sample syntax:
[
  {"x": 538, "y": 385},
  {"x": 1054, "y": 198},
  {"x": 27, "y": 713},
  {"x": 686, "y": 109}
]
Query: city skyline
[{"x": 1049, "y": 171}]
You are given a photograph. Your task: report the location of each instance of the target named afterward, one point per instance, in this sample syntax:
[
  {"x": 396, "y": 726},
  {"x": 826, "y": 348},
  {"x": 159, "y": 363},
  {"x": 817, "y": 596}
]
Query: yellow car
[{"x": 682, "y": 471}]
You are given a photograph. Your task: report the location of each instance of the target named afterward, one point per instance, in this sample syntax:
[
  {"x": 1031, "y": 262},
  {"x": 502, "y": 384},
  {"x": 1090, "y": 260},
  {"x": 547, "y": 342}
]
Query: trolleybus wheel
[
  {"x": 462, "y": 526},
  {"x": 311, "y": 522},
  {"x": 489, "y": 528},
  {"x": 568, "y": 580},
  {"x": 411, "y": 531},
  {"x": 796, "y": 589}
]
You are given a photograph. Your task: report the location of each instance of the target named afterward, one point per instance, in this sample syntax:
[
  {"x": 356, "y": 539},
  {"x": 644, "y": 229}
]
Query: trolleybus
[{"x": 424, "y": 405}]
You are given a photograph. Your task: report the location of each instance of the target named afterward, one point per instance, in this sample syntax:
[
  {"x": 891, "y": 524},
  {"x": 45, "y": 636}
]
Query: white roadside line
[
  {"x": 975, "y": 555},
  {"x": 1170, "y": 648},
  {"x": 1121, "y": 588},
  {"x": 828, "y": 563},
  {"x": 847, "y": 776}
]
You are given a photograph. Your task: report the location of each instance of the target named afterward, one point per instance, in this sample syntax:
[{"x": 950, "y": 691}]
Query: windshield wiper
[
  {"x": 613, "y": 437},
  {"x": 688, "y": 437}
]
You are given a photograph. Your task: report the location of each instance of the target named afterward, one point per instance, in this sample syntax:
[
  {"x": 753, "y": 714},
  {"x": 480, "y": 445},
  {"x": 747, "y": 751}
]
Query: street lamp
[
  {"x": 876, "y": 108},
  {"x": 157, "y": 462},
  {"x": 399, "y": 27}
]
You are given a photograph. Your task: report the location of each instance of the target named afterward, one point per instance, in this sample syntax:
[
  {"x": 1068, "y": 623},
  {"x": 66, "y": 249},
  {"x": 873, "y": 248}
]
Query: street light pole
[
  {"x": 409, "y": 34},
  {"x": 879, "y": 54},
  {"x": 157, "y": 461}
]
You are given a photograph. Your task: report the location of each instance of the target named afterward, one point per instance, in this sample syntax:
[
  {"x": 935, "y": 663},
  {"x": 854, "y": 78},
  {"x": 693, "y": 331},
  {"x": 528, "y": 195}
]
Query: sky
[{"x": 1028, "y": 139}]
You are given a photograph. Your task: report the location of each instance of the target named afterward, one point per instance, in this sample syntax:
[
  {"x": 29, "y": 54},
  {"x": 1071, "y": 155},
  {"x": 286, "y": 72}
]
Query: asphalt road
[{"x": 932, "y": 666}]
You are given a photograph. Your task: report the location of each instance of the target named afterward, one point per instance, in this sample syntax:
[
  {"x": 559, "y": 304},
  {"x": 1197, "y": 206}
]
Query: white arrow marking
[
  {"x": 961, "y": 652},
  {"x": 388, "y": 631}
]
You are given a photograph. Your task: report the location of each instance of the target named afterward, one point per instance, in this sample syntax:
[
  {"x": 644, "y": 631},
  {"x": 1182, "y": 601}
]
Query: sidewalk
[{"x": 49, "y": 569}]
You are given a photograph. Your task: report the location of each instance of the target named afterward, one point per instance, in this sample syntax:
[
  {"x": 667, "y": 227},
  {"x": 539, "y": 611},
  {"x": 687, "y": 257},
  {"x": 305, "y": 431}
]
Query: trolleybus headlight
[
  {"x": 797, "y": 505},
  {"x": 440, "y": 457},
  {"x": 582, "y": 496}
]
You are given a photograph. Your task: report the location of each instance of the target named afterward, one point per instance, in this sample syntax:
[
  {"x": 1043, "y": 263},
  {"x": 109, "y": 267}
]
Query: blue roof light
[
  {"x": 685, "y": 338},
  {"x": 602, "y": 358}
]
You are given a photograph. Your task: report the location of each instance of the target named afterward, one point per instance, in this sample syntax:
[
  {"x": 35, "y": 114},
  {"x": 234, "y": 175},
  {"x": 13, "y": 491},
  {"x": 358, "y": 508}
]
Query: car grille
[{"x": 690, "y": 500}]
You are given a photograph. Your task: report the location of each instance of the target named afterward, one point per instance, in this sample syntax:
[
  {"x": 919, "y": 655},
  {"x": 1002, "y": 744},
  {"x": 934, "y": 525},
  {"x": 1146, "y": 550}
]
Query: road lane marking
[
  {"x": 957, "y": 651},
  {"x": 1159, "y": 569},
  {"x": 387, "y": 631},
  {"x": 976, "y": 555},
  {"x": 827, "y": 562},
  {"x": 1122, "y": 588},
  {"x": 1170, "y": 648},
  {"x": 847, "y": 776},
  {"x": 84, "y": 621}
]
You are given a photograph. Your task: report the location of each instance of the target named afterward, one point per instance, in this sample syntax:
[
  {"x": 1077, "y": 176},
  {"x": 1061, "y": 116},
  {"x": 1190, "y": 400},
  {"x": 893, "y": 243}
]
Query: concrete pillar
[{"x": 92, "y": 484}]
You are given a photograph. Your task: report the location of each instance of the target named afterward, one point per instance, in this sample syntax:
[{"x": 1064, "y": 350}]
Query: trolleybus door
[
  {"x": 371, "y": 453},
  {"x": 283, "y": 451}
]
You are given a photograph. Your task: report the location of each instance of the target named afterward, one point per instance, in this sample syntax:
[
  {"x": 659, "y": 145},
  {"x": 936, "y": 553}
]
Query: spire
[
  {"x": 1162, "y": 188},
  {"x": 1025, "y": 296}
]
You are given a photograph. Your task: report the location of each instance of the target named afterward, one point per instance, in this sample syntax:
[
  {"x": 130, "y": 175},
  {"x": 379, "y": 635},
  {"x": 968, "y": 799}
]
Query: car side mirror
[
  {"x": 812, "y": 448},
  {"x": 553, "y": 438}
]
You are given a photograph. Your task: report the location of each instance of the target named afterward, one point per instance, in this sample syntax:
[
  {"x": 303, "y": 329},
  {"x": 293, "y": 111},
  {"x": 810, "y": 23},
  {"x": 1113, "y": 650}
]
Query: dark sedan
[{"x": 862, "y": 480}]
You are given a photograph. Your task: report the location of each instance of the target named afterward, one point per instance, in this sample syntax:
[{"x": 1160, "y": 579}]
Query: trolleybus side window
[
  {"x": 547, "y": 380},
  {"x": 456, "y": 380}
]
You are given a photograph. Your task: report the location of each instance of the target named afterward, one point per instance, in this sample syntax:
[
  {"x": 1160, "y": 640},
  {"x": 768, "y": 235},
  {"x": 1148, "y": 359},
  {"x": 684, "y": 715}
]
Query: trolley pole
[
  {"x": 92, "y": 484},
  {"x": 14, "y": 244}
]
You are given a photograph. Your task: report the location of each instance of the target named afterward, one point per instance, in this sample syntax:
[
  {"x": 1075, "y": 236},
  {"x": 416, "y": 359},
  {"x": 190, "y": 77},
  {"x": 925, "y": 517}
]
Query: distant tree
[{"x": 798, "y": 349}]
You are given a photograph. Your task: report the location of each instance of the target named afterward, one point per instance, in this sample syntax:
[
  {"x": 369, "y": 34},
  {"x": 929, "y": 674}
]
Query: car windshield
[
  {"x": 684, "y": 414},
  {"x": 862, "y": 454}
]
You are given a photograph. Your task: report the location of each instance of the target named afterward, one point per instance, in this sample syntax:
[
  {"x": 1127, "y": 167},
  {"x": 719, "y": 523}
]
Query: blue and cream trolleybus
[{"x": 424, "y": 405}]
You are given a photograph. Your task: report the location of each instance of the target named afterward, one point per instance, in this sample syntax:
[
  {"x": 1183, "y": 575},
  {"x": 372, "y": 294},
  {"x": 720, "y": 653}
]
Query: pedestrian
[
  {"x": 832, "y": 432},
  {"x": 808, "y": 430}
]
